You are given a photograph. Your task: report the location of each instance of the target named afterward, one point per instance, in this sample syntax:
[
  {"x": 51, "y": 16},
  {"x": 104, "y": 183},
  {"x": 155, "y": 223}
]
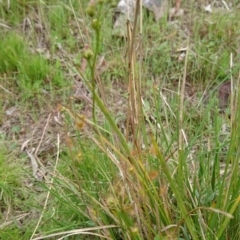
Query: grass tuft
[{"x": 133, "y": 150}]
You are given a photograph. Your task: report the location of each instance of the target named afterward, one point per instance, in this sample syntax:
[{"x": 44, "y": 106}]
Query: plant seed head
[
  {"x": 111, "y": 201},
  {"x": 101, "y": 1},
  {"x": 96, "y": 25},
  {"x": 134, "y": 230},
  {"x": 88, "y": 54},
  {"x": 91, "y": 11}
]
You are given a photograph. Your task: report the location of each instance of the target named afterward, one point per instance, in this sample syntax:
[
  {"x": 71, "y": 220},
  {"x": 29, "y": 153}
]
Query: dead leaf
[
  {"x": 174, "y": 12},
  {"x": 10, "y": 111},
  {"x": 25, "y": 144},
  {"x": 208, "y": 8},
  {"x": 181, "y": 56},
  {"x": 4, "y": 25},
  {"x": 37, "y": 172},
  {"x": 33, "y": 162},
  {"x": 102, "y": 65}
]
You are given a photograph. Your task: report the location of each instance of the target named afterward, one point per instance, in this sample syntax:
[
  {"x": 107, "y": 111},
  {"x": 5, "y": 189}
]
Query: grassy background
[{"x": 172, "y": 175}]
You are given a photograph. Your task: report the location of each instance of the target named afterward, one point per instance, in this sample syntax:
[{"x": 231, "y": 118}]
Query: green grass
[
  {"x": 16, "y": 198},
  {"x": 173, "y": 174}
]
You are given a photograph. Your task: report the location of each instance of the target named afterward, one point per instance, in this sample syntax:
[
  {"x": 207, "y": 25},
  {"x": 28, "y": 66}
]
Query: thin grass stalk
[
  {"x": 223, "y": 226},
  {"x": 132, "y": 100},
  {"x": 232, "y": 91},
  {"x": 181, "y": 160},
  {"x": 137, "y": 80},
  {"x": 77, "y": 231},
  {"x": 236, "y": 129},
  {"x": 76, "y": 21},
  {"x": 181, "y": 104},
  {"x": 134, "y": 86},
  {"x": 158, "y": 123},
  {"x": 130, "y": 110},
  {"x": 93, "y": 65}
]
